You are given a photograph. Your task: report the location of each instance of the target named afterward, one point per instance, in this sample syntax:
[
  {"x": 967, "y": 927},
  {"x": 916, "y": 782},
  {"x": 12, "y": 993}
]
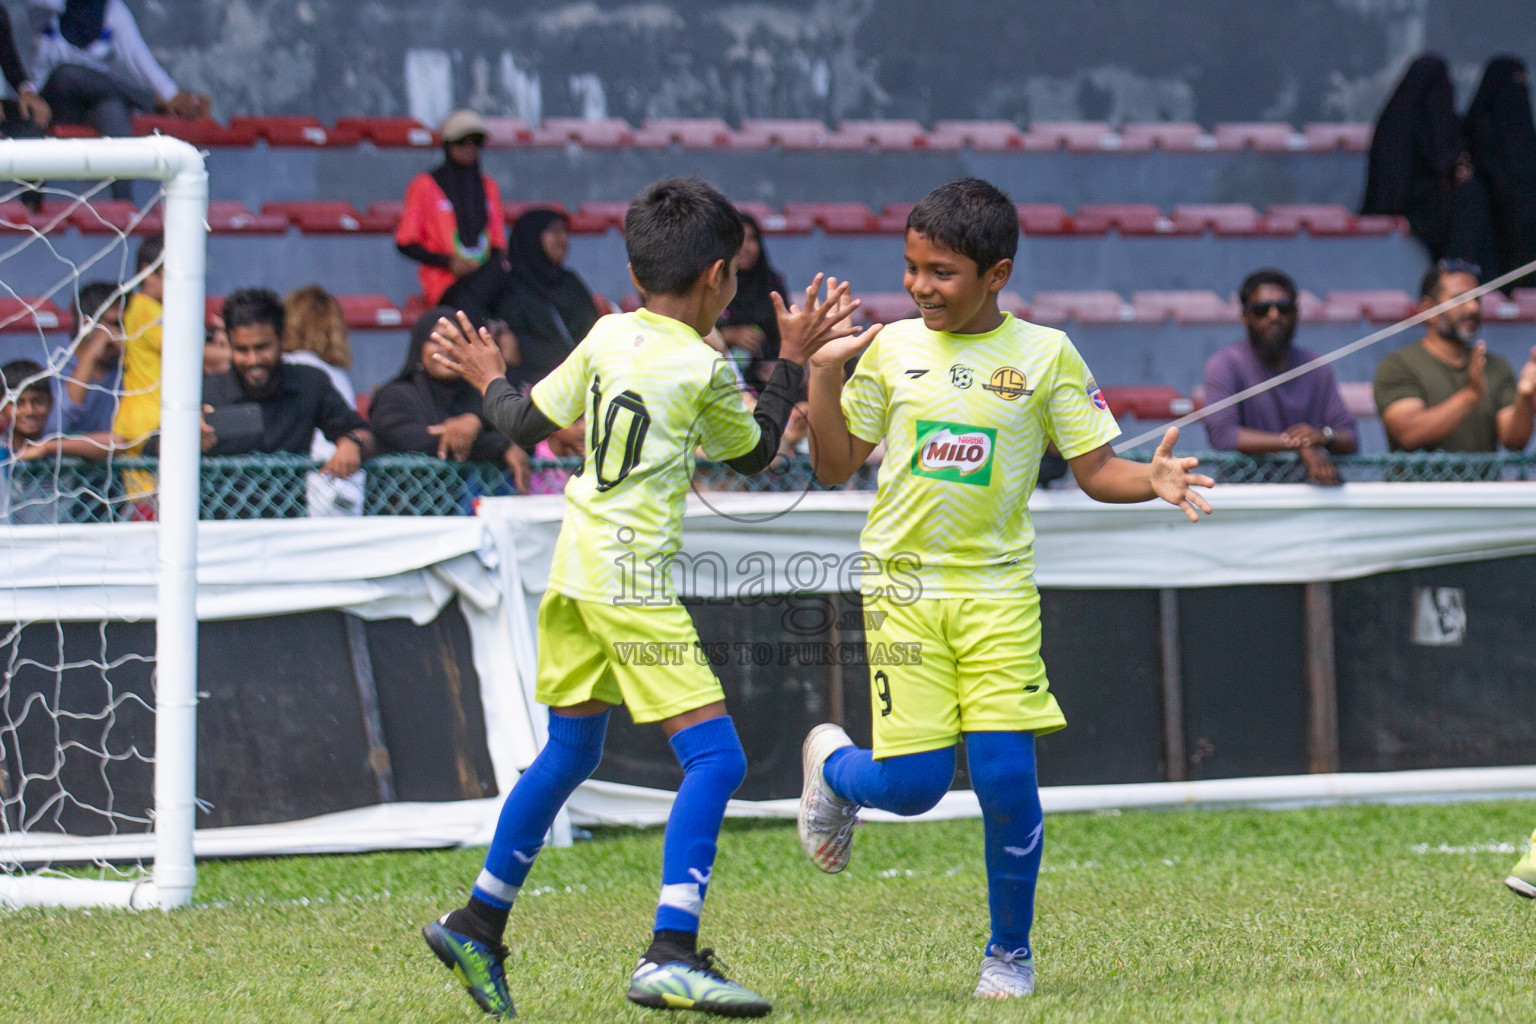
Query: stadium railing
[{"x": 276, "y": 486}]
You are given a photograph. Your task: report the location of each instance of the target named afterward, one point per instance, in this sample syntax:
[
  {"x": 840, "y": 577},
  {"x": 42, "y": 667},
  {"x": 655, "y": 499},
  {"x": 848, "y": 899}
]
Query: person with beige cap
[{"x": 453, "y": 224}]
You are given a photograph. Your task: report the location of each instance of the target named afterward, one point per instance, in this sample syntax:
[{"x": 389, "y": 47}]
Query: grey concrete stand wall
[{"x": 1116, "y": 60}]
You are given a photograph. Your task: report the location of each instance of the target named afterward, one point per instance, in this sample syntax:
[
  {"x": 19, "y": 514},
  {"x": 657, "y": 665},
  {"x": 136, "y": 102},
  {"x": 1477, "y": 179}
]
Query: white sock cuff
[
  {"x": 489, "y": 883},
  {"x": 684, "y": 896}
]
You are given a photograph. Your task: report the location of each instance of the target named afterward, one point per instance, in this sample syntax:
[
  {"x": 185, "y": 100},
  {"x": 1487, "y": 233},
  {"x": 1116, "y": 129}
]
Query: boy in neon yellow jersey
[
  {"x": 966, "y": 399},
  {"x": 652, "y": 392}
]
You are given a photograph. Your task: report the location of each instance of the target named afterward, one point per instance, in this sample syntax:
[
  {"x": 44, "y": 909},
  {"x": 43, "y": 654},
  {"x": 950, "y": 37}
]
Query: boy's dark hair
[
  {"x": 149, "y": 252},
  {"x": 252, "y": 307},
  {"x": 1269, "y": 275},
  {"x": 19, "y": 370},
  {"x": 675, "y": 231},
  {"x": 93, "y": 300},
  {"x": 972, "y": 217}
]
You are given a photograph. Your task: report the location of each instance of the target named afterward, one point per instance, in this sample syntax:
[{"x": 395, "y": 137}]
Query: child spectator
[
  {"x": 87, "y": 400},
  {"x": 315, "y": 335}
]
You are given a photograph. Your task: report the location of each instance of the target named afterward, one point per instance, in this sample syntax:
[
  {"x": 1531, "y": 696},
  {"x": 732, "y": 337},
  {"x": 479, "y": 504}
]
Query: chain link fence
[{"x": 280, "y": 486}]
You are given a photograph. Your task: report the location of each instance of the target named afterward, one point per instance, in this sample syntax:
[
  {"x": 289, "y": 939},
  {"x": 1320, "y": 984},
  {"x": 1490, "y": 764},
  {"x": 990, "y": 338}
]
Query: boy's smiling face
[{"x": 949, "y": 291}]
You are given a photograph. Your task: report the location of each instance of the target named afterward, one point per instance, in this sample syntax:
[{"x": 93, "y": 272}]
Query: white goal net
[{"x": 101, "y": 342}]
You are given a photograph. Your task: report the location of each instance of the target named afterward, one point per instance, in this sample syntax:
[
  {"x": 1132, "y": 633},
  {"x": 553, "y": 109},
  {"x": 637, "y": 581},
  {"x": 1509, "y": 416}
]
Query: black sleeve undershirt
[
  {"x": 774, "y": 406},
  {"x": 421, "y": 254},
  {"x": 515, "y": 415}
]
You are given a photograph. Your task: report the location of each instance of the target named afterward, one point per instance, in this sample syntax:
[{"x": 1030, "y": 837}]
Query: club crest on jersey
[
  {"x": 956, "y": 452},
  {"x": 1008, "y": 383},
  {"x": 1096, "y": 396},
  {"x": 961, "y": 376}
]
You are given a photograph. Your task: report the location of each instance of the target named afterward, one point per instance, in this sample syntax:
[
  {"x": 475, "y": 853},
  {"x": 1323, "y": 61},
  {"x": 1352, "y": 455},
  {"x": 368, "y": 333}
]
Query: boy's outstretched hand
[
  {"x": 473, "y": 355},
  {"x": 1173, "y": 481},
  {"x": 805, "y": 329}
]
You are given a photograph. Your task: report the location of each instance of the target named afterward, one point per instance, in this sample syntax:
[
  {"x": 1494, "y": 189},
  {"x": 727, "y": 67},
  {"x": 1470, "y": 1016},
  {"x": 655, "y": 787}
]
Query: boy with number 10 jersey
[{"x": 652, "y": 391}]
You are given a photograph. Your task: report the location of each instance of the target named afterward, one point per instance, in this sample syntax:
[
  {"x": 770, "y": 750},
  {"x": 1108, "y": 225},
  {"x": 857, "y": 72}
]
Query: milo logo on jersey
[{"x": 955, "y": 452}]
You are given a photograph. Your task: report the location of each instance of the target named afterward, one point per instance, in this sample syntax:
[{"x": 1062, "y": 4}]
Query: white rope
[{"x": 1156, "y": 434}]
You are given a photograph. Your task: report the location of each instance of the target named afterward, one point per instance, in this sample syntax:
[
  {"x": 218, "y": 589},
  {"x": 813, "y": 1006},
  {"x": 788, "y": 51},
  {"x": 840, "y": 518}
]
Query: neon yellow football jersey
[
  {"x": 965, "y": 420},
  {"x": 652, "y": 392}
]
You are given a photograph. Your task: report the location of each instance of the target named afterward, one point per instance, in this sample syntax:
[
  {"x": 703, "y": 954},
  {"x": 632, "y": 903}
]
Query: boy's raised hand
[
  {"x": 1173, "y": 481},
  {"x": 473, "y": 355},
  {"x": 806, "y": 328}
]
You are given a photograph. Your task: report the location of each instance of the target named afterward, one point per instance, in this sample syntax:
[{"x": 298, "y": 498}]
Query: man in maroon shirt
[{"x": 1306, "y": 415}]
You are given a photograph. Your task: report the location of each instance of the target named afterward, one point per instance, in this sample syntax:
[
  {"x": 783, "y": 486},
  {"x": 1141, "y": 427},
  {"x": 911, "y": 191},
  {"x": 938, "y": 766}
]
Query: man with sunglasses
[
  {"x": 1306, "y": 415},
  {"x": 1446, "y": 392}
]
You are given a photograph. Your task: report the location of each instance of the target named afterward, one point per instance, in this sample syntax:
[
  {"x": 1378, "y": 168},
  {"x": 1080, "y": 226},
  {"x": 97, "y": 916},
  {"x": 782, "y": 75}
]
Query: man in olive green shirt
[{"x": 1447, "y": 392}]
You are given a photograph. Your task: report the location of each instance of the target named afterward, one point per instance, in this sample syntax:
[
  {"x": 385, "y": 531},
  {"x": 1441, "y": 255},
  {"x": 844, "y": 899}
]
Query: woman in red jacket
[{"x": 453, "y": 224}]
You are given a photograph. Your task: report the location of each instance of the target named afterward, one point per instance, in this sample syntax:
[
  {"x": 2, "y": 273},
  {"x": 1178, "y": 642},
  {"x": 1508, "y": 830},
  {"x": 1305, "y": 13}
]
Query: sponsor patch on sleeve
[{"x": 1096, "y": 396}]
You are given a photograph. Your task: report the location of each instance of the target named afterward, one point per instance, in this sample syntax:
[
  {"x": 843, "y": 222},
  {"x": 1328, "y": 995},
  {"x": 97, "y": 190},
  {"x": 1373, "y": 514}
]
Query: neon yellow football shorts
[
  {"x": 646, "y": 658},
  {"x": 977, "y": 669}
]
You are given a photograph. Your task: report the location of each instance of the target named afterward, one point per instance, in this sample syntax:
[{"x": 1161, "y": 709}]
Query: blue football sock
[
  {"x": 1003, "y": 775},
  {"x": 575, "y": 747},
  {"x": 713, "y": 767},
  {"x": 907, "y": 784}
]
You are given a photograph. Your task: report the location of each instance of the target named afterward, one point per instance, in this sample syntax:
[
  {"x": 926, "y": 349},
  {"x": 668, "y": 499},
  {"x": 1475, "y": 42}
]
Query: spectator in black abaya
[
  {"x": 1420, "y": 169},
  {"x": 429, "y": 409},
  {"x": 1502, "y": 139},
  {"x": 543, "y": 302},
  {"x": 748, "y": 324}
]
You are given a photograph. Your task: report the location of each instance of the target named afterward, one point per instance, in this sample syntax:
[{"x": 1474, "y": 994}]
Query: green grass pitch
[{"x": 1386, "y": 913}]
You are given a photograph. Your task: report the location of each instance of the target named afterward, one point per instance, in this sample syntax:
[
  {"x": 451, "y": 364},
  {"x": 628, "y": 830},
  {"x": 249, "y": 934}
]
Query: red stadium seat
[
  {"x": 289, "y": 130},
  {"x": 1315, "y": 218},
  {"x": 775, "y": 222},
  {"x": 73, "y": 131},
  {"x": 1260, "y": 136},
  {"x": 1377, "y": 305},
  {"x": 204, "y": 131},
  {"x": 229, "y": 216},
  {"x": 1220, "y": 218},
  {"x": 893, "y": 219},
  {"x": 384, "y": 215},
  {"x": 833, "y": 218},
  {"x": 365, "y": 311},
  {"x": 1148, "y": 402},
  {"x": 1525, "y": 298},
  {"x": 321, "y": 216},
  {"x": 786, "y": 134},
  {"x": 607, "y": 133},
  {"x": 1013, "y": 302},
  {"x": 1359, "y": 398},
  {"x": 364, "y": 403},
  {"x": 686, "y": 132},
  {"x": 16, "y": 217},
  {"x": 597, "y": 218},
  {"x": 507, "y": 131},
  {"x": 1126, "y": 218},
  {"x": 1074, "y": 136},
  {"x": 1084, "y": 307},
  {"x": 629, "y": 303},
  {"x": 1043, "y": 219},
  {"x": 1326, "y": 138},
  {"x": 981, "y": 136},
  {"x": 213, "y": 306},
  {"x": 1310, "y": 308},
  {"x": 515, "y": 209},
  {"x": 890, "y": 136},
  {"x": 886, "y": 307},
  {"x": 1168, "y": 136},
  {"x": 1375, "y": 224},
  {"x": 30, "y": 315},
  {"x": 1183, "y": 307},
  {"x": 385, "y": 131},
  {"x": 111, "y": 216}
]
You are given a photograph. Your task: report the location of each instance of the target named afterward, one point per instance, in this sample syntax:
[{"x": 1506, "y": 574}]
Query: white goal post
[{"x": 180, "y": 170}]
